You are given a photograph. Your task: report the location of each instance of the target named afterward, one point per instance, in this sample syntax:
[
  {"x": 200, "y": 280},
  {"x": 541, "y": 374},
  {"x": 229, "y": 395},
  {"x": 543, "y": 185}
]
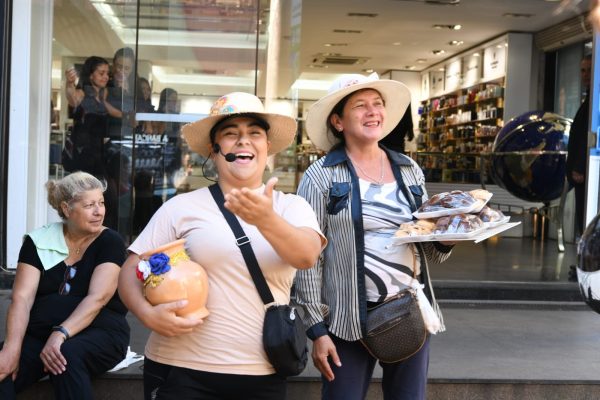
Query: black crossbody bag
[{"x": 284, "y": 336}]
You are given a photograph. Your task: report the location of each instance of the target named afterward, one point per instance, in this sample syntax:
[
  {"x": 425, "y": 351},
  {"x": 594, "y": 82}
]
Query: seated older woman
[{"x": 65, "y": 318}]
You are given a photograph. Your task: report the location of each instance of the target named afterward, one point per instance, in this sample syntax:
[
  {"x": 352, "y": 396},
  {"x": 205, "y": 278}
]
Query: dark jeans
[
  {"x": 579, "y": 208},
  {"x": 91, "y": 352},
  {"x": 166, "y": 382},
  {"x": 404, "y": 380}
]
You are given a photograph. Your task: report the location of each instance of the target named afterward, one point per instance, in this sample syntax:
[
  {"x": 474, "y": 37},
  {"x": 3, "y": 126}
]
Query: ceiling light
[
  {"x": 363, "y": 15},
  {"x": 435, "y": 2},
  {"x": 409, "y": 67},
  {"x": 396, "y": 43},
  {"x": 436, "y": 52},
  {"x": 335, "y": 44},
  {"x": 346, "y": 31},
  {"x": 368, "y": 70},
  {"x": 454, "y": 27},
  {"x": 311, "y": 84},
  {"x": 153, "y": 37},
  {"x": 455, "y": 42},
  {"x": 517, "y": 15},
  {"x": 421, "y": 60},
  {"x": 167, "y": 76}
]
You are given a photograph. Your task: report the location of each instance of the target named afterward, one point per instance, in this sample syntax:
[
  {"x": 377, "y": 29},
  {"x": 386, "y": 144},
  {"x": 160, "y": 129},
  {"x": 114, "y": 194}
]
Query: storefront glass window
[
  {"x": 569, "y": 91},
  {"x": 127, "y": 75}
]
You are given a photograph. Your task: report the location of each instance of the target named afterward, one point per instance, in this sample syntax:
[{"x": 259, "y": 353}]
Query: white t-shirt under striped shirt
[{"x": 388, "y": 270}]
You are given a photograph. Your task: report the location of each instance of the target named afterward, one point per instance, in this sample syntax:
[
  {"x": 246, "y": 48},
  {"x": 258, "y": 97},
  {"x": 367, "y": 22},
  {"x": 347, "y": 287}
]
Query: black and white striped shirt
[{"x": 333, "y": 292}]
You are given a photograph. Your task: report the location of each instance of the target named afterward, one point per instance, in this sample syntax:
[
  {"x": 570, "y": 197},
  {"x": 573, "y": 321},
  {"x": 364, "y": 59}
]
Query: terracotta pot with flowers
[{"x": 169, "y": 275}]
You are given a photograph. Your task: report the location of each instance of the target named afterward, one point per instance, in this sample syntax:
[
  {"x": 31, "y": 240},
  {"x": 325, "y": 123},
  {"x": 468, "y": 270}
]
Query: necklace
[
  {"x": 77, "y": 249},
  {"x": 378, "y": 182}
]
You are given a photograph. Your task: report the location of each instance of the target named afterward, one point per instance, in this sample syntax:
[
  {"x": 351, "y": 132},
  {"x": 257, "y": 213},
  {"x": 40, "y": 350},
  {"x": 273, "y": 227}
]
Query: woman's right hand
[
  {"x": 165, "y": 322},
  {"x": 9, "y": 363},
  {"x": 323, "y": 347},
  {"x": 71, "y": 76}
]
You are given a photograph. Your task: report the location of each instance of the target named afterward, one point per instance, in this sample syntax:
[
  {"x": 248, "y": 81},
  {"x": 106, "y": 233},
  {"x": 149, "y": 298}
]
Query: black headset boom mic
[{"x": 229, "y": 157}]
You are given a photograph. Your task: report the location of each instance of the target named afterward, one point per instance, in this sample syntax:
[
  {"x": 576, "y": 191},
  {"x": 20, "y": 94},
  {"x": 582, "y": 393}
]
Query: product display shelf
[
  {"x": 457, "y": 127},
  {"x": 57, "y": 143},
  {"x": 285, "y": 169},
  {"x": 452, "y": 167}
]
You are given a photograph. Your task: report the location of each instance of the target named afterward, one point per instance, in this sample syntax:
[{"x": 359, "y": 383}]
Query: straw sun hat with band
[
  {"x": 281, "y": 132},
  {"x": 395, "y": 95}
]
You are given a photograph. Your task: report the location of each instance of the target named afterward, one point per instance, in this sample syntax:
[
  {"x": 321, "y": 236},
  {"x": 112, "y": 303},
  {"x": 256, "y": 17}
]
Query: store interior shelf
[{"x": 448, "y": 149}]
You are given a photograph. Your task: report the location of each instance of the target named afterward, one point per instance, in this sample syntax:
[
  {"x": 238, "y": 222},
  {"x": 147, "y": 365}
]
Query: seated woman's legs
[
  {"x": 89, "y": 353},
  {"x": 31, "y": 369}
]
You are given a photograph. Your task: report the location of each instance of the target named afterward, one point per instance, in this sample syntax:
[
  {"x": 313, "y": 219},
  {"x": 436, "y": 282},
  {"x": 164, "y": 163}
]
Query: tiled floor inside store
[{"x": 507, "y": 259}]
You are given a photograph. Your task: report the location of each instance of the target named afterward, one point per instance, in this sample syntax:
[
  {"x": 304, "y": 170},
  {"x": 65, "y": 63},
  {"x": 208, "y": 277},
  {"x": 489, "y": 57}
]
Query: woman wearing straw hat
[
  {"x": 222, "y": 356},
  {"x": 361, "y": 193}
]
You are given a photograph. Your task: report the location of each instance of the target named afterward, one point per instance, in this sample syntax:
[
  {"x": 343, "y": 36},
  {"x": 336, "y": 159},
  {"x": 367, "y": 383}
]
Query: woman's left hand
[
  {"x": 54, "y": 361},
  {"x": 254, "y": 208}
]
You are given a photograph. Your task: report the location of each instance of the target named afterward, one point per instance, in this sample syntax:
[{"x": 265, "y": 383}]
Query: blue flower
[{"x": 159, "y": 263}]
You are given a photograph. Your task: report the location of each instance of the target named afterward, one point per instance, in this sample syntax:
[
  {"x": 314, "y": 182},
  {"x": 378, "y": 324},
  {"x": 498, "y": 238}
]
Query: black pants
[
  {"x": 166, "y": 382},
  {"x": 91, "y": 352},
  {"x": 579, "y": 207}
]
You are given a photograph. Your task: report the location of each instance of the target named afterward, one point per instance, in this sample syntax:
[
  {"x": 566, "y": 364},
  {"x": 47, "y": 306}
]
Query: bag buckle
[{"x": 242, "y": 240}]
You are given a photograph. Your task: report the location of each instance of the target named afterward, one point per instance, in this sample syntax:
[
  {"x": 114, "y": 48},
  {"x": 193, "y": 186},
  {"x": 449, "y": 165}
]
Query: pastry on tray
[
  {"x": 488, "y": 214},
  {"x": 416, "y": 228},
  {"x": 481, "y": 194},
  {"x": 448, "y": 200},
  {"x": 458, "y": 223}
]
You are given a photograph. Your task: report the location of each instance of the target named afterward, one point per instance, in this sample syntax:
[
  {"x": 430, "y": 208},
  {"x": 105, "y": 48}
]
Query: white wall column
[{"x": 29, "y": 128}]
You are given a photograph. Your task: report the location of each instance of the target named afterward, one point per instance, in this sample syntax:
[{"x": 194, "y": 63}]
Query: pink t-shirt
[{"x": 230, "y": 339}]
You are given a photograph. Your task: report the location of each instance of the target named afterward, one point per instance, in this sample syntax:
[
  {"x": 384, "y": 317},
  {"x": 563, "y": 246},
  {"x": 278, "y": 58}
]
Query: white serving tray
[{"x": 477, "y": 236}]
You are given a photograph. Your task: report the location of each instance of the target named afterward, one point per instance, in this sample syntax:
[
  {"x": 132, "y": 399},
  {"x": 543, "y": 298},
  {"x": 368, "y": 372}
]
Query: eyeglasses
[{"x": 65, "y": 287}]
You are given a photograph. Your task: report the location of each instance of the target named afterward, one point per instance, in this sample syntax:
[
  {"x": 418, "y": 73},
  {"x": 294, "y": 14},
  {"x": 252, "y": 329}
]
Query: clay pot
[{"x": 185, "y": 280}]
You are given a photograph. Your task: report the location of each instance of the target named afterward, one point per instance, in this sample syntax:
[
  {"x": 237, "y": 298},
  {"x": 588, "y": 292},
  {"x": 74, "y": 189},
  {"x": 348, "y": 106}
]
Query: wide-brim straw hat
[
  {"x": 282, "y": 129},
  {"x": 395, "y": 95}
]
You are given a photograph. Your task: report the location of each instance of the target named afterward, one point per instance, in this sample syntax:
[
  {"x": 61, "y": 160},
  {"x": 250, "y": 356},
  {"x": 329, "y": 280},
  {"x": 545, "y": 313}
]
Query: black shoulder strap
[{"x": 243, "y": 243}]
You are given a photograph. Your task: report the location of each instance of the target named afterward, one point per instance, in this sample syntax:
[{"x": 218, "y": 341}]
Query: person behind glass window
[
  {"x": 66, "y": 319},
  {"x": 146, "y": 202},
  {"x": 144, "y": 104},
  {"x": 172, "y": 155},
  {"x": 403, "y": 132},
  {"x": 121, "y": 94},
  {"x": 577, "y": 147},
  {"x": 222, "y": 356},
  {"x": 87, "y": 96},
  {"x": 361, "y": 192}
]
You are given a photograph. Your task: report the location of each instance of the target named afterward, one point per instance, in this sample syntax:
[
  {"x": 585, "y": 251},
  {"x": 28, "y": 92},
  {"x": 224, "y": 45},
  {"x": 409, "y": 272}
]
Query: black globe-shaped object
[
  {"x": 529, "y": 156},
  {"x": 588, "y": 264}
]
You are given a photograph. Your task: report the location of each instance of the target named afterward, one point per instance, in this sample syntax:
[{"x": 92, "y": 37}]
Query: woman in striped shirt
[{"x": 361, "y": 193}]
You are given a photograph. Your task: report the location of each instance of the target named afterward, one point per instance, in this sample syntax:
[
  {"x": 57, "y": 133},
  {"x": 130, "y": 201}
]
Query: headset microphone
[{"x": 229, "y": 157}]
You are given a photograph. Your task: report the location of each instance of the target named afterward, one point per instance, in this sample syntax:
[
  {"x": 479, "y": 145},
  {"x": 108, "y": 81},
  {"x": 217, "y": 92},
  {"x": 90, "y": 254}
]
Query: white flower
[{"x": 144, "y": 268}]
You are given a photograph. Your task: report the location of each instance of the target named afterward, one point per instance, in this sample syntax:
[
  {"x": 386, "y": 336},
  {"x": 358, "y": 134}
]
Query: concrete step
[
  {"x": 113, "y": 386},
  {"x": 506, "y": 291}
]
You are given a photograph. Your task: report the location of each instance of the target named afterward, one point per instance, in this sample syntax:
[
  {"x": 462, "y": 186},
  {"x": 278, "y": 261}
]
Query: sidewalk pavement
[{"x": 535, "y": 342}]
